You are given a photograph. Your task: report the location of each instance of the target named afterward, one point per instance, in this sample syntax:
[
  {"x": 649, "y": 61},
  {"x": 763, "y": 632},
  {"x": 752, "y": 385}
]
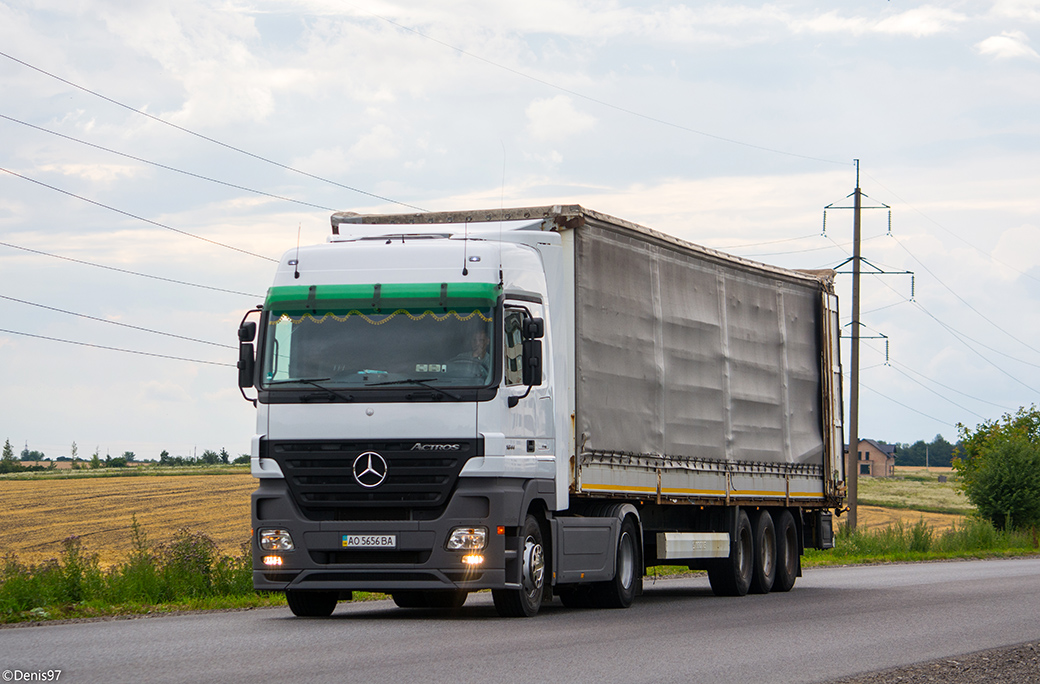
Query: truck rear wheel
[
  {"x": 732, "y": 576},
  {"x": 311, "y": 603},
  {"x": 619, "y": 592},
  {"x": 763, "y": 570},
  {"x": 788, "y": 558},
  {"x": 527, "y": 600}
]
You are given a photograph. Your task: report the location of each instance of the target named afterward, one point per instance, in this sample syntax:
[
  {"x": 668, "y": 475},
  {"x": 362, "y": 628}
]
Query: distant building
[{"x": 875, "y": 459}]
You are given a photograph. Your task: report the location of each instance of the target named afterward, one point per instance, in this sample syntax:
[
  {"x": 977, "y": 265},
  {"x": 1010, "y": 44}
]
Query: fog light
[
  {"x": 272, "y": 560},
  {"x": 473, "y": 559},
  {"x": 276, "y": 540},
  {"x": 467, "y": 539}
]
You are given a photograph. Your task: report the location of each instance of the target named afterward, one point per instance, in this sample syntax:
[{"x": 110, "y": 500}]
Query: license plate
[{"x": 370, "y": 541}]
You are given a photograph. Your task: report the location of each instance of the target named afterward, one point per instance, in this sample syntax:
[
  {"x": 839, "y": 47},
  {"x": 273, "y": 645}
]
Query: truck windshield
[{"x": 379, "y": 336}]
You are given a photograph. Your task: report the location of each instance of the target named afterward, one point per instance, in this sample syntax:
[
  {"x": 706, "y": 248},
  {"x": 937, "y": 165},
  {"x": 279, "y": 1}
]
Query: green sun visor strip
[{"x": 382, "y": 297}]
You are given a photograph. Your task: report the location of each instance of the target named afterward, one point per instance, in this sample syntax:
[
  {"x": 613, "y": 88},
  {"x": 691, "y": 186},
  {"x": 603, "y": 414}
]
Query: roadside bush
[
  {"x": 1000, "y": 468},
  {"x": 186, "y": 570}
]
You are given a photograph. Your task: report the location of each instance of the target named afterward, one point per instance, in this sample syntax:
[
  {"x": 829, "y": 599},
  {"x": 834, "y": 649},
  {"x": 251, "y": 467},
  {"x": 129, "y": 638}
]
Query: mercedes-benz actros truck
[{"x": 541, "y": 402}]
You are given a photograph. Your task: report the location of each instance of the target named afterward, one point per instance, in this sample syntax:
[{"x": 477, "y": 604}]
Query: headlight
[
  {"x": 467, "y": 539},
  {"x": 276, "y": 540}
]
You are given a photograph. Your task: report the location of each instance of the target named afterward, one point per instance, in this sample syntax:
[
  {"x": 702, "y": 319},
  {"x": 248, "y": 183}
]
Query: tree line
[{"x": 10, "y": 464}]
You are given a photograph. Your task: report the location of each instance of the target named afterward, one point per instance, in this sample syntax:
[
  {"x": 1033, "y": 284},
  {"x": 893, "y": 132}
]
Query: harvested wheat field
[
  {"x": 36, "y": 515},
  {"x": 874, "y": 517}
]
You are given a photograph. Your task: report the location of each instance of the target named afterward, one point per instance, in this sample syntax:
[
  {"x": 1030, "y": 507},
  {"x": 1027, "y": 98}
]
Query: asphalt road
[{"x": 837, "y": 622}]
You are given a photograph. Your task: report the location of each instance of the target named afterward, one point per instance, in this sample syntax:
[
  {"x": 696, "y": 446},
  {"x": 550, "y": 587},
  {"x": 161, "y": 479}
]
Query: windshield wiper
[
  {"x": 314, "y": 382},
  {"x": 420, "y": 383}
]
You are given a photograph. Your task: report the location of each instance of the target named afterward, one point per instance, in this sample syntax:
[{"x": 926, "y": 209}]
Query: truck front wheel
[
  {"x": 311, "y": 603},
  {"x": 525, "y": 601}
]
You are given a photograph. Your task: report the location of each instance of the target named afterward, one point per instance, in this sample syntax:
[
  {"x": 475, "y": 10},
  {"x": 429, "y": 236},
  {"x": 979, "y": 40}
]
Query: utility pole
[
  {"x": 852, "y": 464},
  {"x": 852, "y": 459}
]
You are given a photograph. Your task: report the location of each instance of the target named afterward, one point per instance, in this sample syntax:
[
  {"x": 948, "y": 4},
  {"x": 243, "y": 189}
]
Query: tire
[
  {"x": 311, "y": 603},
  {"x": 732, "y": 576},
  {"x": 788, "y": 558},
  {"x": 429, "y": 599},
  {"x": 763, "y": 569},
  {"x": 527, "y": 600},
  {"x": 619, "y": 592}
]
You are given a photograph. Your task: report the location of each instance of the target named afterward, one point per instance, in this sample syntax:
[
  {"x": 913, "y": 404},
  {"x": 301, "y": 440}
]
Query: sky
[{"x": 158, "y": 156}]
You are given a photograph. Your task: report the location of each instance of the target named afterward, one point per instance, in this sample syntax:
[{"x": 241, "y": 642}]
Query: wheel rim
[
  {"x": 626, "y": 560},
  {"x": 534, "y": 566}
]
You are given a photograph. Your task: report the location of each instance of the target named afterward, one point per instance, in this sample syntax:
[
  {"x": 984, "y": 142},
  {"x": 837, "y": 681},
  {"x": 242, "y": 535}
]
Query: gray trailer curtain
[{"x": 680, "y": 354}]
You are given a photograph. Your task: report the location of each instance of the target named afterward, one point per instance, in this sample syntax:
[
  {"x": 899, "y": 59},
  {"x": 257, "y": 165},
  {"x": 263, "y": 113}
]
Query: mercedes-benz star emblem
[{"x": 370, "y": 469}]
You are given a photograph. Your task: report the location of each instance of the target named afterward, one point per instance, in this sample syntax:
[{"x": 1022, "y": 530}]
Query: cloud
[
  {"x": 1017, "y": 251},
  {"x": 380, "y": 143},
  {"x": 1007, "y": 45},
  {"x": 920, "y": 21},
  {"x": 555, "y": 119},
  {"x": 98, "y": 173},
  {"x": 163, "y": 392},
  {"x": 1017, "y": 9}
]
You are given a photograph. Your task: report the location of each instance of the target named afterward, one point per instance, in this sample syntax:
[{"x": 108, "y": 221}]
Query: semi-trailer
[{"x": 541, "y": 401}]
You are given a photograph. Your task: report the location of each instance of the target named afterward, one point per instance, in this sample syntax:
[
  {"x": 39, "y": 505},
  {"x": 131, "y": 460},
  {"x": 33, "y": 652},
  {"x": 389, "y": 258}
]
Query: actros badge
[{"x": 370, "y": 469}]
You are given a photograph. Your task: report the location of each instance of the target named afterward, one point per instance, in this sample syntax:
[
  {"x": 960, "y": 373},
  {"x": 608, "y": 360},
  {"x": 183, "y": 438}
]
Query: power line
[
  {"x": 135, "y": 216},
  {"x": 123, "y": 270},
  {"x": 961, "y": 299},
  {"x": 947, "y": 230},
  {"x": 205, "y": 137},
  {"x": 588, "y": 98},
  {"x": 906, "y": 406},
  {"x": 947, "y": 387},
  {"x": 164, "y": 166},
  {"x": 959, "y": 336},
  {"x": 125, "y": 351},
  {"x": 124, "y": 325},
  {"x": 944, "y": 398}
]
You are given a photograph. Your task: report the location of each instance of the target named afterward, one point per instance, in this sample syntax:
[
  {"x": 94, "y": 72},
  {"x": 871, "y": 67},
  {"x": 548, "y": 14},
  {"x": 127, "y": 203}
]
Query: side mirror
[
  {"x": 247, "y": 331},
  {"x": 532, "y": 368},
  {"x": 246, "y": 356},
  {"x": 533, "y": 328},
  {"x": 246, "y": 364}
]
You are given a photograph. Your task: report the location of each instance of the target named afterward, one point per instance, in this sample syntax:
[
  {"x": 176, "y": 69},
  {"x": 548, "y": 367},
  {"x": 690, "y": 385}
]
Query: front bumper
[{"x": 419, "y": 561}]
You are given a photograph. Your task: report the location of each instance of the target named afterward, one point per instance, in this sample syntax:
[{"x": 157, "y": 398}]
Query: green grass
[
  {"x": 184, "y": 573},
  {"x": 918, "y": 492},
  {"x": 975, "y": 538}
]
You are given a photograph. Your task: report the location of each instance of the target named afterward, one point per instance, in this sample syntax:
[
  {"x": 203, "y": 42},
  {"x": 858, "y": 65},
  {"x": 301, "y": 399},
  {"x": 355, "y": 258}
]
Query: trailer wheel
[
  {"x": 732, "y": 576},
  {"x": 525, "y": 601},
  {"x": 429, "y": 599},
  {"x": 788, "y": 560},
  {"x": 763, "y": 570},
  {"x": 311, "y": 603},
  {"x": 619, "y": 592}
]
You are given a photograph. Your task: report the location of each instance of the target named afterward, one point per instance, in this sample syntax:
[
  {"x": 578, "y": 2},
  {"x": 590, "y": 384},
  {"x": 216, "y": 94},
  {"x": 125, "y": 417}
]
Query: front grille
[{"x": 320, "y": 475}]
